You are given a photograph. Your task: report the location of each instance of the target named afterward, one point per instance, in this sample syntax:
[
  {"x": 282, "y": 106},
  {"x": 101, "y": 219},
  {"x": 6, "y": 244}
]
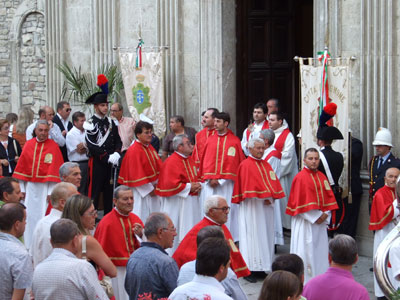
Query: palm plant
[{"x": 78, "y": 86}]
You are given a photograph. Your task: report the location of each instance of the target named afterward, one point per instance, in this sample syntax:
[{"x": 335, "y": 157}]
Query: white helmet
[{"x": 383, "y": 138}]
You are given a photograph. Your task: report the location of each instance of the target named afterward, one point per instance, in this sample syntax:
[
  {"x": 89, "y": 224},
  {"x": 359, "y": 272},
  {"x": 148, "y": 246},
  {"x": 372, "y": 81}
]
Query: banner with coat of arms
[
  {"x": 144, "y": 87},
  {"x": 338, "y": 85}
]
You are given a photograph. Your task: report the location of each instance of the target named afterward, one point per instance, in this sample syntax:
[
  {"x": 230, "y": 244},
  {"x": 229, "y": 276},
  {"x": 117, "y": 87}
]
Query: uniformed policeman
[
  {"x": 331, "y": 161},
  {"x": 382, "y": 161},
  {"x": 104, "y": 147}
]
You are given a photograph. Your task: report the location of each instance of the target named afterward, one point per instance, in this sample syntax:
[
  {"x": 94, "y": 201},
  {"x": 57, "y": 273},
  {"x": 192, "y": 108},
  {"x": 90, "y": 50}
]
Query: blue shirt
[{"x": 150, "y": 270}]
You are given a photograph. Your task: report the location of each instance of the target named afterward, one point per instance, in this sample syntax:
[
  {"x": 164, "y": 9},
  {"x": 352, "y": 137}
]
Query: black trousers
[
  {"x": 349, "y": 225},
  {"x": 101, "y": 183}
]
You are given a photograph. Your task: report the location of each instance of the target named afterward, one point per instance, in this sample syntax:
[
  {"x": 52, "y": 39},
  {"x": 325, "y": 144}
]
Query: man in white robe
[
  {"x": 256, "y": 189},
  {"x": 38, "y": 183},
  {"x": 310, "y": 203},
  {"x": 178, "y": 188},
  {"x": 221, "y": 158},
  {"x": 41, "y": 246},
  {"x": 284, "y": 142},
  {"x": 384, "y": 215}
]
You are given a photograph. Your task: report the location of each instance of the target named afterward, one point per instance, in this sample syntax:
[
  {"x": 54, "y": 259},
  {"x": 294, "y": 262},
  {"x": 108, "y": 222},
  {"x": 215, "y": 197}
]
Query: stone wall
[
  {"x": 7, "y": 10},
  {"x": 32, "y": 60}
]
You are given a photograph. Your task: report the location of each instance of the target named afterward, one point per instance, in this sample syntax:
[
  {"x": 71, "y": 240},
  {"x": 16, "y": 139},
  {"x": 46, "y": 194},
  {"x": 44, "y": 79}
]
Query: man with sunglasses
[
  {"x": 216, "y": 211},
  {"x": 61, "y": 119}
]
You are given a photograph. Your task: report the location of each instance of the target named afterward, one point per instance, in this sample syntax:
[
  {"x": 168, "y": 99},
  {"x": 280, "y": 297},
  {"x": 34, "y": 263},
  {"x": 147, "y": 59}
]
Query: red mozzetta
[
  {"x": 116, "y": 236},
  {"x": 256, "y": 179},
  {"x": 175, "y": 173},
  {"x": 382, "y": 208},
  {"x": 140, "y": 165},
  {"x": 188, "y": 247},
  {"x": 201, "y": 139},
  {"x": 39, "y": 162},
  {"x": 310, "y": 190},
  {"x": 222, "y": 156}
]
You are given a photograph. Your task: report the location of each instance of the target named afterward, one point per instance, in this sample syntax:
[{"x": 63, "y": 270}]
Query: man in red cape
[
  {"x": 221, "y": 158},
  {"x": 310, "y": 202},
  {"x": 178, "y": 187},
  {"x": 256, "y": 189},
  {"x": 37, "y": 172},
  {"x": 383, "y": 211},
  {"x": 117, "y": 232},
  {"x": 140, "y": 169},
  {"x": 216, "y": 209},
  {"x": 204, "y": 134}
]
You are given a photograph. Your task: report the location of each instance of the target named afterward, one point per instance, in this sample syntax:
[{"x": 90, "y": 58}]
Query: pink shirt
[
  {"x": 126, "y": 128},
  {"x": 335, "y": 284}
]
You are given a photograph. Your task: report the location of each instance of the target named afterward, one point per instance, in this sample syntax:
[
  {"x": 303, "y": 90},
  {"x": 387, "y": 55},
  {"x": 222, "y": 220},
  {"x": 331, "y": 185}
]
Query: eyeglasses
[
  {"x": 173, "y": 229},
  {"x": 91, "y": 213},
  {"x": 68, "y": 109},
  {"x": 224, "y": 209},
  {"x": 114, "y": 110}
]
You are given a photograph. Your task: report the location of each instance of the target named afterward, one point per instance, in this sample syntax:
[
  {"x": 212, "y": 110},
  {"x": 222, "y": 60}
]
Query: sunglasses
[{"x": 68, "y": 109}]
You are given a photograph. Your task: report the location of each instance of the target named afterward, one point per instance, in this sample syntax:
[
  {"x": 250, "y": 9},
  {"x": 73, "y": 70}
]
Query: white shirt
[
  {"x": 41, "y": 246},
  {"x": 201, "y": 287},
  {"x": 64, "y": 122},
  {"x": 75, "y": 137},
  {"x": 230, "y": 283},
  {"x": 54, "y": 134},
  {"x": 63, "y": 276}
]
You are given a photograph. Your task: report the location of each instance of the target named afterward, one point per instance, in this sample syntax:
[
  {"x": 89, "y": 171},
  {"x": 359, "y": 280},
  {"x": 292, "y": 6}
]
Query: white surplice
[
  {"x": 36, "y": 204},
  {"x": 145, "y": 204},
  {"x": 309, "y": 240},
  {"x": 276, "y": 166},
  {"x": 378, "y": 238},
  {"x": 288, "y": 170},
  {"x": 184, "y": 210},
  {"x": 118, "y": 284},
  {"x": 41, "y": 247},
  {"x": 224, "y": 189},
  {"x": 256, "y": 233}
]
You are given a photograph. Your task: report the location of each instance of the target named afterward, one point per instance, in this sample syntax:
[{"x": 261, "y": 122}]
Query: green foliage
[
  {"x": 78, "y": 86},
  {"x": 395, "y": 295}
]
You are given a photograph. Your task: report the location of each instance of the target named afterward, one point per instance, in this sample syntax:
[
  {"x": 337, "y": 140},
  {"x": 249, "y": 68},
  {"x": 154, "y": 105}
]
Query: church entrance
[{"x": 269, "y": 34}]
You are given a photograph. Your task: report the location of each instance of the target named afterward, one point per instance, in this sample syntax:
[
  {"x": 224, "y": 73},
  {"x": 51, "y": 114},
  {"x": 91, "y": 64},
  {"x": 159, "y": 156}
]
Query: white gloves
[{"x": 114, "y": 158}]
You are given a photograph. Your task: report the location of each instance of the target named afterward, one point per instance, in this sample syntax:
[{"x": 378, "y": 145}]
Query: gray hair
[
  {"x": 343, "y": 249},
  {"x": 386, "y": 172},
  {"x": 63, "y": 231},
  {"x": 41, "y": 122},
  {"x": 178, "y": 140},
  {"x": 211, "y": 202},
  {"x": 154, "y": 222},
  {"x": 62, "y": 190},
  {"x": 253, "y": 142},
  {"x": 121, "y": 188},
  {"x": 268, "y": 135},
  {"x": 66, "y": 167}
]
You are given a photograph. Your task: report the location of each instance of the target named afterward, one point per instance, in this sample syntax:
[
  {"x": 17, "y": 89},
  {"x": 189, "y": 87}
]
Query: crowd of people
[{"x": 90, "y": 210}]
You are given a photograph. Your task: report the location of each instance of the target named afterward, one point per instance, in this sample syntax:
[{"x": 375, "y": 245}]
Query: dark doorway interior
[{"x": 269, "y": 34}]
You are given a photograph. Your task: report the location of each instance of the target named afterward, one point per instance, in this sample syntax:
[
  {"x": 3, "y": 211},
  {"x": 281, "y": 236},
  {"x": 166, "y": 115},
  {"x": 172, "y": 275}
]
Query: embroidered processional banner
[
  {"x": 311, "y": 82},
  {"x": 144, "y": 86}
]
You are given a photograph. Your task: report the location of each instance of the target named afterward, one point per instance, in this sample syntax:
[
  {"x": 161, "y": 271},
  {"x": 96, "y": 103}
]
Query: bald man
[{"x": 47, "y": 113}]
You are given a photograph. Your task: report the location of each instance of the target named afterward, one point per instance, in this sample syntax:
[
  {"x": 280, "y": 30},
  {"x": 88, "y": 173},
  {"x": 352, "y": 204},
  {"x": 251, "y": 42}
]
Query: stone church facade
[{"x": 202, "y": 60}]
